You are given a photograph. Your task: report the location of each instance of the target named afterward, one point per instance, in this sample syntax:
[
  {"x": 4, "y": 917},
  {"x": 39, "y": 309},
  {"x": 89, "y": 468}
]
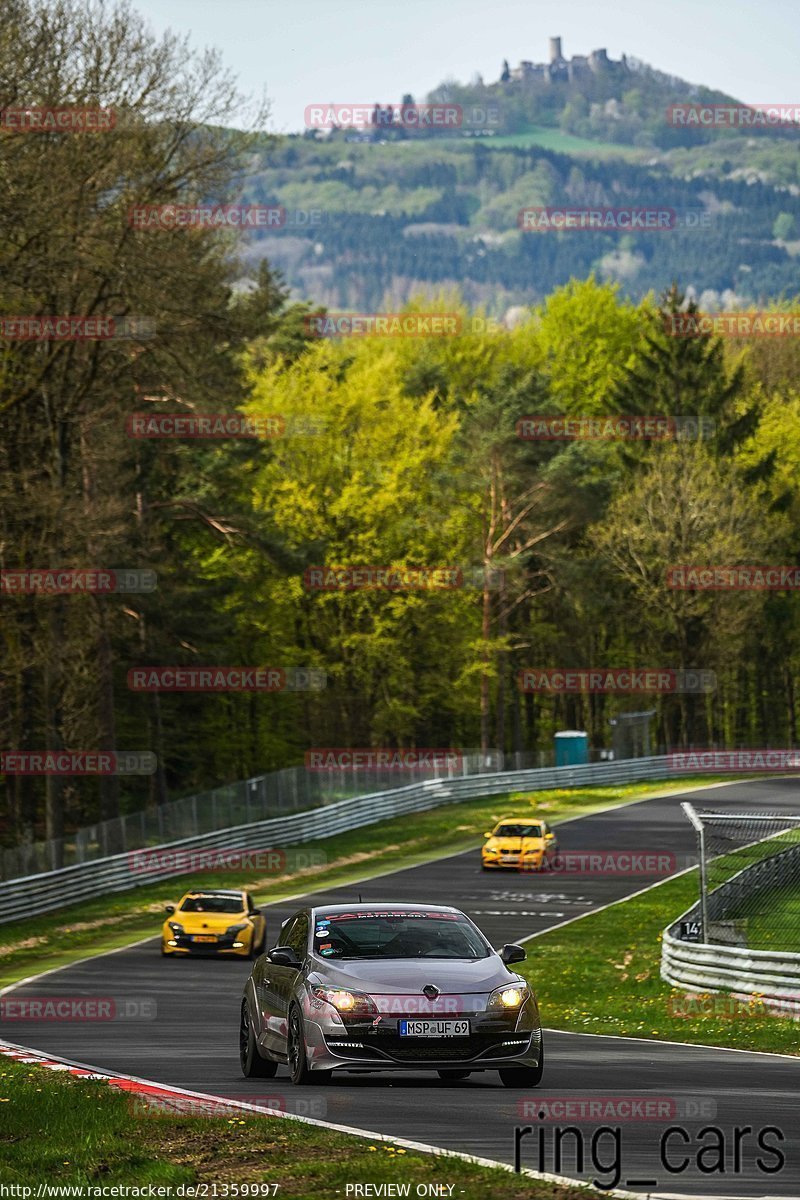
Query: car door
[
  {"x": 259, "y": 979},
  {"x": 270, "y": 983},
  {"x": 283, "y": 979}
]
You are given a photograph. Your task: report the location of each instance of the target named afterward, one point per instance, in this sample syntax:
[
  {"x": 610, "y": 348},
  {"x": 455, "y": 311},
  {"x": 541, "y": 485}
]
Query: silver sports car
[{"x": 389, "y": 987}]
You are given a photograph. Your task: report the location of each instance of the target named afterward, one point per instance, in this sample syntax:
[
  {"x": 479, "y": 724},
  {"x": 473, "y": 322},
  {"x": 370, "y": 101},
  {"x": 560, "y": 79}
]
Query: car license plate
[
  {"x": 434, "y": 1028},
  {"x": 204, "y": 937}
]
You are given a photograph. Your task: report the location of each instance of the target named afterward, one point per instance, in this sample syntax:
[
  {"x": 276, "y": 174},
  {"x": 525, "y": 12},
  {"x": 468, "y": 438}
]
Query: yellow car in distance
[
  {"x": 214, "y": 921},
  {"x": 518, "y": 844}
]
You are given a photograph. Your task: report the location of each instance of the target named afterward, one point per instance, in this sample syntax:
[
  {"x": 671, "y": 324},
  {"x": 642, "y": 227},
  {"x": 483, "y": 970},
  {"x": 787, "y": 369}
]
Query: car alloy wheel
[{"x": 299, "y": 1069}]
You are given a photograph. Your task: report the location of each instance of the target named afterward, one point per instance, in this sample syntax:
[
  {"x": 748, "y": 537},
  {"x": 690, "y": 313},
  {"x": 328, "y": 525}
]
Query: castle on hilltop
[{"x": 560, "y": 69}]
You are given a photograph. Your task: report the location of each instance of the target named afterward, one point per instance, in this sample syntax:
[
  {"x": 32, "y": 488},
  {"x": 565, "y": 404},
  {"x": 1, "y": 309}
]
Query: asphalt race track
[{"x": 192, "y": 1041}]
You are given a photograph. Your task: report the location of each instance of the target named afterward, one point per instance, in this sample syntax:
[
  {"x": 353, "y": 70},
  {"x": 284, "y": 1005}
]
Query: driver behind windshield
[{"x": 397, "y": 936}]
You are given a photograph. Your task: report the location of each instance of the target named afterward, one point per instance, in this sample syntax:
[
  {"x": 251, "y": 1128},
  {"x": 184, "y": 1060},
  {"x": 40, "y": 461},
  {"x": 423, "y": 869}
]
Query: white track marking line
[
  {"x": 602, "y": 907},
  {"x": 623, "y": 1037},
  {"x": 243, "y": 1105},
  {"x": 83, "y": 1070}
]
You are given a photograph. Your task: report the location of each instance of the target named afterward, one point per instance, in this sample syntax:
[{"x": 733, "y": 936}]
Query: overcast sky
[{"x": 360, "y": 51}]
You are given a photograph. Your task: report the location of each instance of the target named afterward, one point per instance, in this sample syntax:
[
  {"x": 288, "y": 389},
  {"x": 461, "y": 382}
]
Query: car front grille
[
  {"x": 185, "y": 942},
  {"x": 390, "y": 1045},
  {"x": 452, "y": 1049}
]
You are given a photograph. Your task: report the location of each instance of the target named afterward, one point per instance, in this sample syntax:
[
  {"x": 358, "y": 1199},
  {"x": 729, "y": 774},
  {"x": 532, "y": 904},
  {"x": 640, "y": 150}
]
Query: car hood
[
  {"x": 409, "y": 976},
  {"x": 513, "y": 845}
]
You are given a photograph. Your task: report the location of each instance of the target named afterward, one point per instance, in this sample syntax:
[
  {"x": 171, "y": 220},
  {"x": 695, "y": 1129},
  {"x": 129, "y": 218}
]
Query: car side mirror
[
  {"x": 169, "y": 909},
  {"x": 549, "y": 836},
  {"x": 512, "y": 954},
  {"x": 487, "y": 835},
  {"x": 284, "y": 956}
]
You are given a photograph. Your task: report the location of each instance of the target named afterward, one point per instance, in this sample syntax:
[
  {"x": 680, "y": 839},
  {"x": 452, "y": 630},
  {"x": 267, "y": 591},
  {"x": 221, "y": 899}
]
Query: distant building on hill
[{"x": 560, "y": 69}]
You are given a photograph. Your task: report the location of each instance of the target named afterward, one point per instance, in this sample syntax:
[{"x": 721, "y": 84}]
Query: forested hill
[
  {"x": 385, "y": 213},
  {"x": 373, "y": 223}
]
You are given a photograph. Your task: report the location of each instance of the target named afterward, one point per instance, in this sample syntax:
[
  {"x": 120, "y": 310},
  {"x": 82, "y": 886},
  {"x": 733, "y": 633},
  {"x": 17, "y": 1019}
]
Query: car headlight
[
  {"x": 490, "y": 850},
  {"x": 355, "y": 1004},
  {"x": 232, "y": 930},
  {"x": 175, "y": 927},
  {"x": 506, "y": 998}
]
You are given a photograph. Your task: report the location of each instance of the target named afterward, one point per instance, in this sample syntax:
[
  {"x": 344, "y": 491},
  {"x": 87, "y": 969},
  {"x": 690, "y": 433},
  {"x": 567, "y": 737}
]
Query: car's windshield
[
  {"x": 518, "y": 831},
  {"x": 397, "y": 933},
  {"x": 213, "y": 904}
]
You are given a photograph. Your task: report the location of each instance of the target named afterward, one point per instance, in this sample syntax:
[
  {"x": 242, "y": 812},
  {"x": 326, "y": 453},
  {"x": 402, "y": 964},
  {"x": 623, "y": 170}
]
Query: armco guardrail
[
  {"x": 709, "y": 967},
  {"x": 293, "y": 789},
  {"x": 44, "y": 892},
  {"x": 700, "y": 967}
]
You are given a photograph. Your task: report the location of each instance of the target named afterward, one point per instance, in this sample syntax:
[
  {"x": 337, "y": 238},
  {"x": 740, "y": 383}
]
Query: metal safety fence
[
  {"x": 743, "y": 932},
  {"x": 291, "y": 790},
  {"x": 45, "y": 891}
]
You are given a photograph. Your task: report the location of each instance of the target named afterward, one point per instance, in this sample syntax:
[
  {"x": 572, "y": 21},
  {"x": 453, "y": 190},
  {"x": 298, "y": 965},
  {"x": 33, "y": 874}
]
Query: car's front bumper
[
  {"x": 515, "y": 864},
  {"x": 185, "y": 947},
  {"x": 495, "y": 1041}
]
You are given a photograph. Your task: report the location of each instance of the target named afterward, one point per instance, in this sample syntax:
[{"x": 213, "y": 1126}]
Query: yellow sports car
[
  {"x": 213, "y": 922},
  {"x": 518, "y": 843}
]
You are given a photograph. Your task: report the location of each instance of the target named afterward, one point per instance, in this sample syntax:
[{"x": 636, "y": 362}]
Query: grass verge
[
  {"x": 601, "y": 974},
  {"x": 108, "y": 922},
  {"x": 775, "y": 923},
  {"x": 57, "y": 1130}
]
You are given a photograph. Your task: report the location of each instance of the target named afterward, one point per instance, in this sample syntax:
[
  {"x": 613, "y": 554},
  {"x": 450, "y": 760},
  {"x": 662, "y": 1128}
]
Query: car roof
[
  {"x": 523, "y": 818},
  {"x": 231, "y": 894},
  {"x": 380, "y": 905}
]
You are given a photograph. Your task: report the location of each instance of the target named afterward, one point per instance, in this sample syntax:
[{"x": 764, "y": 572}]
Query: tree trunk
[{"x": 486, "y": 625}]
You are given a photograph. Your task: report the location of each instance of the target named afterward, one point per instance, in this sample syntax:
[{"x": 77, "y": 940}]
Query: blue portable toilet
[{"x": 572, "y": 747}]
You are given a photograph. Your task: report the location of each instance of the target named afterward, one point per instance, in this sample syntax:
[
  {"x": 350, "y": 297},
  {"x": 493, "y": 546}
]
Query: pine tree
[{"x": 687, "y": 377}]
